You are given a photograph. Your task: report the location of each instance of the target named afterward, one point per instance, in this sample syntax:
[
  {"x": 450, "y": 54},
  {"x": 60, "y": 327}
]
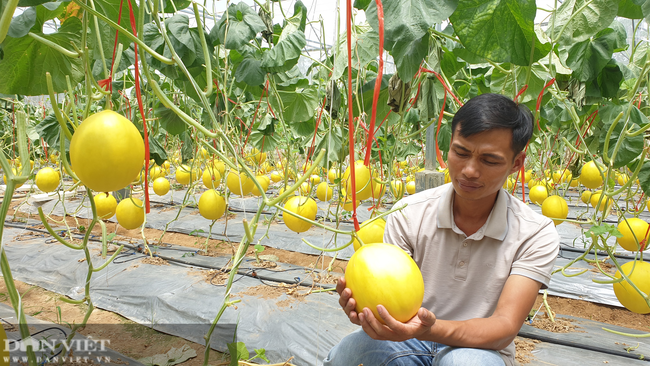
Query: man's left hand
[{"x": 394, "y": 330}]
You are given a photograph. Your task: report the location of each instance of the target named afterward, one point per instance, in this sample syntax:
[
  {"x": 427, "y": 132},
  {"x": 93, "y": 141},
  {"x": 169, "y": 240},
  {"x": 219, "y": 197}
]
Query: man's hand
[
  {"x": 394, "y": 330},
  {"x": 346, "y": 301}
]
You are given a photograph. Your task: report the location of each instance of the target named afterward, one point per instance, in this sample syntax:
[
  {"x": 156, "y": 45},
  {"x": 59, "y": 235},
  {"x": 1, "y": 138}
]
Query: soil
[{"x": 138, "y": 341}]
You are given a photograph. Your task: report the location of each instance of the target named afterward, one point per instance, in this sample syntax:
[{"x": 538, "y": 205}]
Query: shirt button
[
  {"x": 462, "y": 263},
  {"x": 465, "y": 244}
]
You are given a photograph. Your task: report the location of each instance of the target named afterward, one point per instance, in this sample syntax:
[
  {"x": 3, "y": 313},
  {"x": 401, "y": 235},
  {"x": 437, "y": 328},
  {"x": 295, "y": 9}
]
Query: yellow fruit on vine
[
  {"x": 361, "y": 179},
  {"x": 324, "y": 192},
  {"x": 130, "y": 213},
  {"x": 203, "y": 153},
  {"x": 622, "y": 179},
  {"x": 275, "y": 176},
  {"x": 378, "y": 189},
  {"x": 447, "y": 177},
  {"x": 256, "y": 157},
  {"x": 211, "y": 177},
  {"x": 574, "y": 182},
  {"x": 314, "y": 179},
  {"x": 220, "y": 166},
  {"x": 532, "y": 183},
  {"x": 304, "y": 189},
  {"x": 397, "y": 188},
  {"x": 346, "y": 203},
  {"x": 301, "y": 206},
  {"x": 333, "y": 174},
  {"x": 538, "y": 194},
  {"x": 370, "y": 234},
  {"x": 410, "y": 187},
  {"x": 156, "y": 172},
  {"x": 212, "y": 205},
  {"x": 585, "y": 197},
  {"x": 138, "y": 179},
  {"x": 166, "y": 165},
  {"x": 635, "y": 234},
  {"x": 105, "y": 204},
  {"x": 555, "y": 208},
  {"x": 161, "y": 186},
  {"x": 304, "y": 167},
  {"x": 590, "y": 176},
  {"x": 264, "y": 181},
  {"x": 509, "y": 183},
  {"x": 528, "y": 175},
  {"x": 639, "y": 273},
  {"x": 265, "y": 167},
  {"x": 54, "y": 158},
  {"x": 185, "y": 175},
  {"x": 239, "y": 184},
  {"x": 606, "y": 204},
  {"x": 47, "y": 179},
  {"x": 106, "y": 152},
  {"x": 561, "y": 176}
]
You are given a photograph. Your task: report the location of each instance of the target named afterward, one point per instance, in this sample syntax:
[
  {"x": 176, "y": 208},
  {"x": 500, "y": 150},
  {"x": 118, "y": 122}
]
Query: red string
[
  {"x": 47, "y": 156},
  {"x": 422, "y": 69},
  {"x": 380, "y": 73},
  {"x": 313, "y": 140},
  {"x": 348, "y": 17},
  {"x": 144, "y": 120},
  {"x": 520, "y": 93}
]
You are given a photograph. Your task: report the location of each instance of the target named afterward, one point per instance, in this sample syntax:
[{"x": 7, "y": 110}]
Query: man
[{"x": 483, "y": 254}]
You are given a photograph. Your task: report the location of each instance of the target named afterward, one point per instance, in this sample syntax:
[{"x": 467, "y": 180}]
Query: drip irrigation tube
[
  {"x": 592, "y": 252},
  {"x": 249, "y": 271},
  {"x": 581, "y": 346}
]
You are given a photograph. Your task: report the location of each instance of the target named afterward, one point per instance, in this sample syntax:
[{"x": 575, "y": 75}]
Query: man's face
[{"x": 480, "y": 164}]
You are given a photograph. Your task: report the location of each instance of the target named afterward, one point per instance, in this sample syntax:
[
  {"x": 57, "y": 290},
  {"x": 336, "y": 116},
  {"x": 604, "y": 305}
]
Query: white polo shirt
[{"x": 464, "y": 276}]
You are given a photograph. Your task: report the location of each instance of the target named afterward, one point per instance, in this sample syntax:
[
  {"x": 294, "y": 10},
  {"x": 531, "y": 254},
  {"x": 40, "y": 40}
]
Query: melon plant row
[{"x": 243, "y": 106}]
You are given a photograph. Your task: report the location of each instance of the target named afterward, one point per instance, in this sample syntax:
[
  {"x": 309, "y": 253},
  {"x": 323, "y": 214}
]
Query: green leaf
[
  {"x": 609, "y": 79},
  {"x": 409, "y": 56},
  {"x": 241, "y": 31},
  {"x": 47, "y": 11},
  {"x": 408, "y": 20},
  {"x": 303, "y": 129},
  {"x": 333, "y": 144},
  {"x": 179, "y": 33},
  {"x": 187, "y": 150},
  {"x": 21, "y": 24},
  {"x": 620, "y": 43},
  {"x": 156, "y": 151},
  {"x": 171, "y": 6},
  {"x": 603, "y": 229},
  {"x": 403, "y": 150},
  {"x": 285, "y": 54},
  {"x": 237, "y": 352},
  {"x": 579, "y": 22},
  {"x": 299, "y": 105},
  {"x": 26, "y": 3},
  {"x": 26, "y": 60},
  {"x": 169, "y": 120},
  {"x": 365, "y": 49},
  {"x": 250, "y": 72},
  {"x": 111, "y": 9},
  {"x": 499, "y": 30},
  {"x": 361, "y": 4},
  {"x": 450, "y": 64},
  {"x": 631, "y": 147},
  {"x": 503, "y": 83},
  {"x": 589, "y": 57},
  {"x": 49, "y": 130},
  {"x": 630, "y": 9}
]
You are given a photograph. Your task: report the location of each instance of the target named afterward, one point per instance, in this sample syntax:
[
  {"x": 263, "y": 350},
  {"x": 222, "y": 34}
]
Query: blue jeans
[{"x": 358, "y": 348}]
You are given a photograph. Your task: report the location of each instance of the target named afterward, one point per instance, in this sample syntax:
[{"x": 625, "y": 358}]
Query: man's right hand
[{"x": 347, "y": 302}]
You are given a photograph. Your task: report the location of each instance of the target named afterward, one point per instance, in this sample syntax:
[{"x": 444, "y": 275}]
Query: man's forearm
[{"x": 493, "y": 333}]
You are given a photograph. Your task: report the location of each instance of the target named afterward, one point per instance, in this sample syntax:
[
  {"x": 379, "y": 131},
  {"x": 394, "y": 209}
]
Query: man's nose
[{"x": 471, "y": 169}]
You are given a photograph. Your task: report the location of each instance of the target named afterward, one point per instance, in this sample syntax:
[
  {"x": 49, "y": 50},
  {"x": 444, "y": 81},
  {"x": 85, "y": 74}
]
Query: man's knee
[{"x": 452, "y": 356}]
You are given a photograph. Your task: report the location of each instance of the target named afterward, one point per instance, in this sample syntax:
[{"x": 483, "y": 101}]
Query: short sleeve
[
  {"x": 397, "y": 231},
  {"x": 536, "y": 258}
]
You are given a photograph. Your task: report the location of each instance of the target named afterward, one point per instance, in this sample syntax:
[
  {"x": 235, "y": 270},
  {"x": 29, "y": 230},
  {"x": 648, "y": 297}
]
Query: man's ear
[{"x": 520, "y": 159}]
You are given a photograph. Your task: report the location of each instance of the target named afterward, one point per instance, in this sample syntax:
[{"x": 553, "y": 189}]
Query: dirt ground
[{"x": 138, "y": 341}]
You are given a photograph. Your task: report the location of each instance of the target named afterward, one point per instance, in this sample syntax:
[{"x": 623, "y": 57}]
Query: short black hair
[{"x": 491, "y": 111}]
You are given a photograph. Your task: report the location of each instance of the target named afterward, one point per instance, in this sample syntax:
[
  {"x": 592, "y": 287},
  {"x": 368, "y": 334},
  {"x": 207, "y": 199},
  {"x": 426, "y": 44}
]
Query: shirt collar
[{"x": 495, "y": 227}]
